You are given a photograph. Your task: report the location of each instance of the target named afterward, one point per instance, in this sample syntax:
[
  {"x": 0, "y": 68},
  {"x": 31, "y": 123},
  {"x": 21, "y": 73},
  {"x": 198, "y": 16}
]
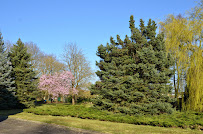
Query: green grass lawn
[
  {"x": 103, "y": 126},
  {"x": 86, "y": 117},
  {"x": 191, "y": 120}
]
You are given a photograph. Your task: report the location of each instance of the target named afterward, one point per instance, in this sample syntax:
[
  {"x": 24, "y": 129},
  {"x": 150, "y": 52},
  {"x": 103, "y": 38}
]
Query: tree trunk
[
  {"x": 76, "y": 99},
  {"x": 178, "y": 82},
  {"x": 47, "y": 98},
  {"x": 178, "y": 86},
  {"x": 73, "y": 99},
  {"x": 174, "y": 81},
  {"x": 62, "y": 99},
  {"x": 179, "y": 103}
]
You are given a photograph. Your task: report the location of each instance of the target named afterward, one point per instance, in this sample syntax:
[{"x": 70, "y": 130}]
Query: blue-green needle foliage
[
  {"x": 7, "y": 98},
  {"x": 134, "y": 73}
]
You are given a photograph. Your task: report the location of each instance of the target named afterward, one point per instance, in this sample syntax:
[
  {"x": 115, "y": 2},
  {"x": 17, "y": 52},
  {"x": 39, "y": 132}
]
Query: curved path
[{"x": 18, "y": 126}]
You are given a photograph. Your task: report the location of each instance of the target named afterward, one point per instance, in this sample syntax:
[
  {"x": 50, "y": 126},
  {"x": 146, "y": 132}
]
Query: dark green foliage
[
  {"x": 193, "y": 120},
  {"x": 134, "y": 73},
  {"x": 25, "y": 77},
  {"x": 7, "y": 99}
]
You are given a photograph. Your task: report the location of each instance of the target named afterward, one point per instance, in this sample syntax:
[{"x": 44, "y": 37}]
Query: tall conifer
[
  {"x": 7, "y": 98},
  {"x": 134, "y": 73},
  {"x": 25, "y": 77}
]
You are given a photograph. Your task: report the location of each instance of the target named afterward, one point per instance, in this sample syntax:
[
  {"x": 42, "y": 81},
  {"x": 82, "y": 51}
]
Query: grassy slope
[
  {"x": 102, "y": 126},
  {"x": 178, "y": 119},
  {"x": 96, "y": 125}
]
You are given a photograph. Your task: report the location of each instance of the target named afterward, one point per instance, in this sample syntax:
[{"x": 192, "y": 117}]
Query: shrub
[{"x": 193, "y": 120}]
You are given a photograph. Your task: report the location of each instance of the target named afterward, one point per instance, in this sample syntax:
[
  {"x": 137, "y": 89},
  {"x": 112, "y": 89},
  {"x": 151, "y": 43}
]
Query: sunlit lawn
[{"x": 100, "y": 126}]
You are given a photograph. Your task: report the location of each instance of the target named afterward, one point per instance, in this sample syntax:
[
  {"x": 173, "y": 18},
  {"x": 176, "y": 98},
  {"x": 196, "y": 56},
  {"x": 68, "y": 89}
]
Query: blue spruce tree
[
  {"x": 7, "y": 98},
  {"x": 134, "y": 73}
]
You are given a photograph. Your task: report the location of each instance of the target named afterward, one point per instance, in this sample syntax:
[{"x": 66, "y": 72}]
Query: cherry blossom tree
[{"x": 58, "y": 84}]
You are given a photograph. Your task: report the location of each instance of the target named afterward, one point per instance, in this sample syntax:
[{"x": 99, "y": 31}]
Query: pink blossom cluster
[{"x": 58, "y": 84}]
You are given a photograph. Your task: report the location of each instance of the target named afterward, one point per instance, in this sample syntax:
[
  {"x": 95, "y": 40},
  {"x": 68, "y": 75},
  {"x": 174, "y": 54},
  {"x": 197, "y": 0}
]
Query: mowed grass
[
  {"x": 88, "y": 118},
  {"x": 193, "y": 120},
  {"x": 103, "y": 126}
]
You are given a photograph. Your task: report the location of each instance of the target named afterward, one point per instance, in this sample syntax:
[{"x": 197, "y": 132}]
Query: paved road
[{"x": 17, "y": 126}]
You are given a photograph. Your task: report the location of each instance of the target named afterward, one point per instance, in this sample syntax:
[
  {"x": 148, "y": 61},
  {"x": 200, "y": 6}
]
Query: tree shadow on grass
[
  {"x": 2, "y": 118},
  {"x": 5, "y": 113},
  {"x": 9, "y": 104}
]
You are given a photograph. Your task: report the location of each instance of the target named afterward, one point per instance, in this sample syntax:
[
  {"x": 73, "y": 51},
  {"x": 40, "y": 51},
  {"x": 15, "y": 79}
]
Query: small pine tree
[
  {"x": 134, "y": 73},
  {"x": 7, "y": 98},
  {"x": 25, "y": 77}
]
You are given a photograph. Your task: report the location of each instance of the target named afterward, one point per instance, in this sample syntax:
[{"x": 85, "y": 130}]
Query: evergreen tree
[
  {"x": 134, "y": 73},
  {"x": 25, "y": 77},
  {"x": 7, "y": 98}
]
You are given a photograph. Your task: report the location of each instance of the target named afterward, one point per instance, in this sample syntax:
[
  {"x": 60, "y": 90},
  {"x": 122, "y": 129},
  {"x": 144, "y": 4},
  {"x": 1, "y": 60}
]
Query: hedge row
[{"x": 191, "y": 120}]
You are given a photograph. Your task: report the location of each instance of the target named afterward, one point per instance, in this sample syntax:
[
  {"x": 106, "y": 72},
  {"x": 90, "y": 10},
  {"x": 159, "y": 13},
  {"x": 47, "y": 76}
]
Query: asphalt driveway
[{"x": 18, "y": 126}]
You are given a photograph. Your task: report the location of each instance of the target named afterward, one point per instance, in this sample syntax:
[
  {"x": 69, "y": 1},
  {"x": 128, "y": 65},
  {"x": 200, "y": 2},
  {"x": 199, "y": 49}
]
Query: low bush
[{"x": 191, "y": 120}]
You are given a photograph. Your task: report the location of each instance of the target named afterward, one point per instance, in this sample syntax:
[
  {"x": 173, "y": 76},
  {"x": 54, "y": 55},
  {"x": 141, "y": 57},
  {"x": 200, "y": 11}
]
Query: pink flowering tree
[{"x": 58, "y": 84}]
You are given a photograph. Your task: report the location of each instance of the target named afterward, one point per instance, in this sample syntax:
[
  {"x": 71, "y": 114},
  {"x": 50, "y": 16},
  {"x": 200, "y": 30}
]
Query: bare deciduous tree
[
  {"x": 36, "y": 54},
  {"x": 8, "y": 45},
  {"x": 50, "y": 65},
  {"x": 43, "y": 63},
  {"x": 79, "y": 66}
]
